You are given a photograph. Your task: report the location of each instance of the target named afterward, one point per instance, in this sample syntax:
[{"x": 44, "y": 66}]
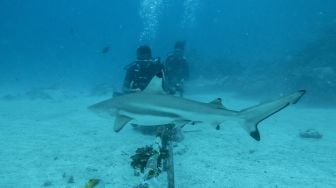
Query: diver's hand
[
  {"x": 128, "y": 90},
  {"x": 135, "y": 90}
]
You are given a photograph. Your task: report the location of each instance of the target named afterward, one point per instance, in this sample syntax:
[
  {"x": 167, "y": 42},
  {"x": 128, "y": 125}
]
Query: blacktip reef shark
[{"x": 153, "y": 106}]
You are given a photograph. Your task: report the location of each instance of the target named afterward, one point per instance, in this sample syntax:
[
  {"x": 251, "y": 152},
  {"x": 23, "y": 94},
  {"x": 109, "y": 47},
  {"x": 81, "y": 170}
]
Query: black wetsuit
[
  {"x": 176, "y": 72},
  {"x": 140, "y": 73}
]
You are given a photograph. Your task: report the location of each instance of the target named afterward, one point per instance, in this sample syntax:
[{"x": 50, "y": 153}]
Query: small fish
[{"x": 105, "y": 50}]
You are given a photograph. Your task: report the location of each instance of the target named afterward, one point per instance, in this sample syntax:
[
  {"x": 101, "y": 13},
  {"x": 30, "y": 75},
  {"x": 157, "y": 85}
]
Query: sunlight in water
[
  {"x": 190, "y": 9},
  {"x": 149, "y": 13}
]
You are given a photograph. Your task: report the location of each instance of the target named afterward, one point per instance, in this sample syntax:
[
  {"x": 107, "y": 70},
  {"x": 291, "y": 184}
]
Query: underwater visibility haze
[{"x": 59, "y": 57}]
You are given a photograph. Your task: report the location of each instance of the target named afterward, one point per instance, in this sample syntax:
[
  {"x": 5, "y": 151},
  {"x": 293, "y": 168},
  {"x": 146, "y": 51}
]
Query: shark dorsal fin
[
  {"x": 217, "y": 103},
  {"x": 155, "y": 85}
]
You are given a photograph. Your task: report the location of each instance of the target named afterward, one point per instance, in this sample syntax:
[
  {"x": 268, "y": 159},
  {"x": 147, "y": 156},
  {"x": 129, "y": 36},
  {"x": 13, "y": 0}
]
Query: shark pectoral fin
[{"x": 120, "y": 122}]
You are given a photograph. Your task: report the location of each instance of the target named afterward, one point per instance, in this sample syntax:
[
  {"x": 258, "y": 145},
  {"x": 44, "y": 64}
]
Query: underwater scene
[{"x": 167, "y": 94}]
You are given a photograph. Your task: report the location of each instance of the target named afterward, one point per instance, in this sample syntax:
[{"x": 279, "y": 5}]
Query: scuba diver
[
  {"x": 176, "y": 70},
  {"x": 138, "y": 75},
  {"x": 141, "y": 71}
]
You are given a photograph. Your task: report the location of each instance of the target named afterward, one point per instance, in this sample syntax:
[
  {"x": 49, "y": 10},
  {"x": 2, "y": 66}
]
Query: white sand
[{"x": 52, "y": 140}]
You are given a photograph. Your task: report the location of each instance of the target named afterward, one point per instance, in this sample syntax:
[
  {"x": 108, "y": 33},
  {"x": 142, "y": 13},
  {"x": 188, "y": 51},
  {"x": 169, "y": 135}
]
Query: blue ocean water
[
  {"x": 53, "y": 41},
  {"x": 52, "y": 51}
]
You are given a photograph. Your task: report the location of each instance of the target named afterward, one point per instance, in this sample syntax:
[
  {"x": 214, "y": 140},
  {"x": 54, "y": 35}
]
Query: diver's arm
[
  {"x": 128, "y": 80},
  {"x": 128, "y": 86}
]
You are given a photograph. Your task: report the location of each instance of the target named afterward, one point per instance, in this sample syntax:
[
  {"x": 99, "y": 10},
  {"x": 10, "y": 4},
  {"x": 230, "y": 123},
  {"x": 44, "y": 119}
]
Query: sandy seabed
[{"x": 59, "y": 143}]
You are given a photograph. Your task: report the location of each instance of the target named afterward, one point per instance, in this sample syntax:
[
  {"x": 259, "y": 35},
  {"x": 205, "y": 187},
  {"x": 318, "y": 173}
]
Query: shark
[{"x": 153, "y": 106}]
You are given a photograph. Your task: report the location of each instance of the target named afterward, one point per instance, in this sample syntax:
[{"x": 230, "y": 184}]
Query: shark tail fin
[{"x": 255, "y": 114}]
